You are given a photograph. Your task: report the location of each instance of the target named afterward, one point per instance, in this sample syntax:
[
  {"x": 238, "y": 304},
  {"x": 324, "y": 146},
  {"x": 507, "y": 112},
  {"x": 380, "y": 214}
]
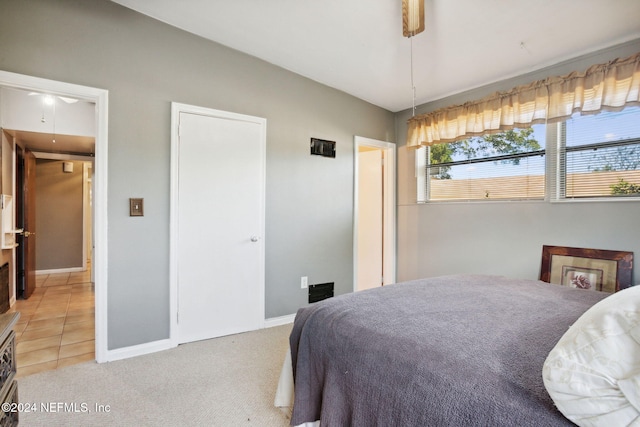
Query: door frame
[
  {"x": 176, "y": 109},
  {"x": 100, "y": 262},
  {"x": 389, "y": 207}
]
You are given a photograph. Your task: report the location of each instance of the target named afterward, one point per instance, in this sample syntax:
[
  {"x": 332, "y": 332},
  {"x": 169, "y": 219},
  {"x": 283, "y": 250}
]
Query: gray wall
[
  {"x": 504, "y": 238},
  {"x": 59, "y": 224},
  {"x": 145, "y": 65}
]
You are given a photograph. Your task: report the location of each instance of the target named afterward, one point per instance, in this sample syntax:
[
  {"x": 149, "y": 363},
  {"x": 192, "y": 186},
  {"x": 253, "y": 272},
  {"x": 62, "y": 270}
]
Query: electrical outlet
[{"x": 304, "y": 282}]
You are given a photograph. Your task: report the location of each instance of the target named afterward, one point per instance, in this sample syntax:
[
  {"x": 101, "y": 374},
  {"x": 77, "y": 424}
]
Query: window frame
[
  {"x": 554, "y": 171},
  {"x": 556, "y": 175},
  {"x": 423, "y": 183}
]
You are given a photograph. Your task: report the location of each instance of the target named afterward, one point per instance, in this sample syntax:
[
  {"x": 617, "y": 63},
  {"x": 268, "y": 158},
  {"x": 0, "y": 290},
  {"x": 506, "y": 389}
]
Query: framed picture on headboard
[{"x": 591, "y": 269}]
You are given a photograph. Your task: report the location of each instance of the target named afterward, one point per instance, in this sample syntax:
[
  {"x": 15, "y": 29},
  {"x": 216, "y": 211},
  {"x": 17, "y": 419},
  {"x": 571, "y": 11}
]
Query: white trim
[
  {"x": 389, "y": 206},
  {"x": 86, "y": 212},
  {"x": 173, "y": 224},
  {"x": 279, "y": 321},
  {"x": 176, "y": 109},
  {"x": 60, "y": 270},
  {"x": 167, "y": 344},
  {"x": 138, "y": 350},
  {"x": 101, "y": 98}
]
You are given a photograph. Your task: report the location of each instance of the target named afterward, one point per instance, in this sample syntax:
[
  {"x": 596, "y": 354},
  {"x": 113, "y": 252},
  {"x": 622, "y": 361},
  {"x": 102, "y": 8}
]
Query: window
[
  {"x": 592, "y": 156},
  {"x": 505, "y": 165},
  {"x": 575, "y": 167},
  {"x": 599, "y": 155}
]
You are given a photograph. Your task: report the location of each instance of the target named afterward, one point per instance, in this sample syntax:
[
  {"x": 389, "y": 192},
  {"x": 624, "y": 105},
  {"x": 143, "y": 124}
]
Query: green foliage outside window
[
  {"x": 623, "y": 187},
  {"x": 512, "y": 141}
]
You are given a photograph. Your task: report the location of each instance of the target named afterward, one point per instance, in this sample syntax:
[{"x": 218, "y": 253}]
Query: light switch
[{"x": 136, "y": 207}]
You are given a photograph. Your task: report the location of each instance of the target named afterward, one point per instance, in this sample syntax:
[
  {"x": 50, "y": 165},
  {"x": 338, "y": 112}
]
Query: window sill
[{"x": 597, "y": 200}]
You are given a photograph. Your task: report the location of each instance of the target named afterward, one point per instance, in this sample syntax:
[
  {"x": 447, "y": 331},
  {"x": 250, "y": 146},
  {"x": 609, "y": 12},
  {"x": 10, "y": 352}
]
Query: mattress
[{"x": 454, "y": 350}]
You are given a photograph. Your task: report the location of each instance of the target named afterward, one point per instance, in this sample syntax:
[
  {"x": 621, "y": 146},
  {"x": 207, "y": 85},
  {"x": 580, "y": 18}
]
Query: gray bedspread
[{"x": 448, "y": 351}]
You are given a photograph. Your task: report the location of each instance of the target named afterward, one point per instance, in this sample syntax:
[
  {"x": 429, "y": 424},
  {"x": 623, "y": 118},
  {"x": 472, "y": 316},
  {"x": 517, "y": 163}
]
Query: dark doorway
[{"x": 25, "y": 221}]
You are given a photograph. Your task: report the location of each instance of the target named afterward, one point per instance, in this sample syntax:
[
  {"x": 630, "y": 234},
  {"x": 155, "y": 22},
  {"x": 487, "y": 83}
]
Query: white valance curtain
[{"x": 604, "y": 86}]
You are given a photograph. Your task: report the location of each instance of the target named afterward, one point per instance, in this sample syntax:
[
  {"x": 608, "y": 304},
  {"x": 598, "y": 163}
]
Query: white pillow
[{"x": 593, "y": 372}]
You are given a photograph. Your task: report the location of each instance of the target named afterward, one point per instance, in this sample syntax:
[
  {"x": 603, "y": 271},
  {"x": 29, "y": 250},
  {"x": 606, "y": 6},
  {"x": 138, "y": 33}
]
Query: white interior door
[
  {"x": 379, "y": 214},
  {"x": 370, "y": 220},
  {"x": 220, "y": 223}
]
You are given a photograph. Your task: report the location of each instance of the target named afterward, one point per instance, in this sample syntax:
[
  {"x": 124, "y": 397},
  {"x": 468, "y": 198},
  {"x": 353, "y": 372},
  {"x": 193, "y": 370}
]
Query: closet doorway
[{"x": 374, "y": 213}]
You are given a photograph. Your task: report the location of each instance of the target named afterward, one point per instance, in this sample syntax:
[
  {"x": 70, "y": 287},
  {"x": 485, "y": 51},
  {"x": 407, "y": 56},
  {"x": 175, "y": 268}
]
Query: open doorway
[
  {"x": 374, "y": 213},
  {"x": 52, "y": 269},
  {"x": 97, "y": 98}
]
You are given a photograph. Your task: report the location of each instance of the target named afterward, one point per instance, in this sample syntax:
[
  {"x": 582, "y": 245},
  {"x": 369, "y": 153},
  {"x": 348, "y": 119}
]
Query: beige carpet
[{"x": 228, "y": 381}]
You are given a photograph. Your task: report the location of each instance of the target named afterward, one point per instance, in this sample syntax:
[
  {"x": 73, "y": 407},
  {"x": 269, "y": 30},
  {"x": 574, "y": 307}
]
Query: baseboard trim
[
  {"x": 152, "y": 347},
  {"x": 279, "y": 321},
  {"x": 138, "y": 350},
  {"x": 61, "y": 270}
]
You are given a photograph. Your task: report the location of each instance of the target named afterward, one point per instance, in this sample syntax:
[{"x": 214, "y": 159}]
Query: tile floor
[{"x": 56, "y": 326}]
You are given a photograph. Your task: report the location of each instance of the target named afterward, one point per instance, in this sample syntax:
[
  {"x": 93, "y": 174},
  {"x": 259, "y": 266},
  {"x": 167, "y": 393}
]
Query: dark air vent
[{"x": 320, "y": 291}]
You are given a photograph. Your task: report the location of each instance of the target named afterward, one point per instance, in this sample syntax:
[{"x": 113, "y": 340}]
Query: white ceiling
[
  {"x": 68, "y": 145},
  {"x": 357, "y": 46},
  {"x": 37, "y": 124}
]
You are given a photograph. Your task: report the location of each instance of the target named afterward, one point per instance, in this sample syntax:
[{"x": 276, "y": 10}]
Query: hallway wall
[{"x": 59, "y": 215}]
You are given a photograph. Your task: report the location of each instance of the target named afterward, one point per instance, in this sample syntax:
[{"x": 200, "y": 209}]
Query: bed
[{"x": 457, "y": 350}]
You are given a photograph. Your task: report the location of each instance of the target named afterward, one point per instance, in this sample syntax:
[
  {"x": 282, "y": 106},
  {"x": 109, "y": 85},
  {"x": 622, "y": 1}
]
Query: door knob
[
  {"x": 254, "y": 238},
  {"x": 28, "y": 233}
]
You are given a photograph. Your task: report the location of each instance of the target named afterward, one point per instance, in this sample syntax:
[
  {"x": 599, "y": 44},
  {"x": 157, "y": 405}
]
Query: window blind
[
  {"x": 599, "y": 155},
  {"x": 503, "y": 166}
]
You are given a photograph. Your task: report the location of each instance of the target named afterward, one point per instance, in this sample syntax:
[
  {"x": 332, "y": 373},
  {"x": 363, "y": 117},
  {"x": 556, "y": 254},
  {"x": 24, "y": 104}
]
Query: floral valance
[{"x": 602, "y": 87}]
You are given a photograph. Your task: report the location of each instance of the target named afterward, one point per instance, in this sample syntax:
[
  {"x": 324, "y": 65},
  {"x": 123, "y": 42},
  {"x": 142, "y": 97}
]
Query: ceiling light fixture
[
  {"x": 49, "y": 99},
  {"x": 412, "y": 24}
]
